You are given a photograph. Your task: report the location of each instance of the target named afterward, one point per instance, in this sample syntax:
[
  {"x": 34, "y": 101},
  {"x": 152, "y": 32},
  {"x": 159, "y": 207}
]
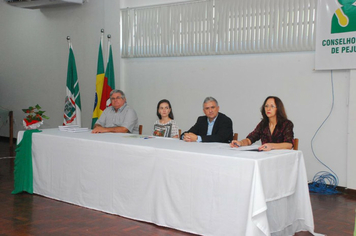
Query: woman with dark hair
[
  {"x": 165, "y": 126},
  {"x": 275, "y": 130}
]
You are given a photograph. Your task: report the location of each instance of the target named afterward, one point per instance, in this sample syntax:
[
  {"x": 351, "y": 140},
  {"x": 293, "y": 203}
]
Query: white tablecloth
[{"x": 203, "y": 188}]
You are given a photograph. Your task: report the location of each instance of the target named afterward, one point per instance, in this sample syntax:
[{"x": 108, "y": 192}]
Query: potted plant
[{"x": 34, "y": 117}]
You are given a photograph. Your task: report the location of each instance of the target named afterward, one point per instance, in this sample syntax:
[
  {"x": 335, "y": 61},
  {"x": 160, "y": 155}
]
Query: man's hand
[
  {"x": 99, "y": 129},
  {"x": 190, "y": 137}
]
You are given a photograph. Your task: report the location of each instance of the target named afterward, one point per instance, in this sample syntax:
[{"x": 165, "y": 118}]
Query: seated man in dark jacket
[{"x": 213, "y": 127}]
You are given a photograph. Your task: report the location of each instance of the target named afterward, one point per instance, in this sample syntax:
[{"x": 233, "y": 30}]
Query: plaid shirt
[{"x": 283, "y": 133}]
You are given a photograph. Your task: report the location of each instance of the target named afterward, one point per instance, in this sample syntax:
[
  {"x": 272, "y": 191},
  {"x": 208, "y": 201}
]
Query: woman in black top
[{"x": 275, "y": 130}]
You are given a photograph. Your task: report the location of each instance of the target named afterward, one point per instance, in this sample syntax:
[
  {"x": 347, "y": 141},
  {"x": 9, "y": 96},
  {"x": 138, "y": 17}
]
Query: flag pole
[
  {"x": 109, "y": 43},
  {"x": 72, "y": 106},
  {"x": 102, "y": 36},
  {"x": 68, "y": 40},
  {"x": 109, "y": 81},
  {"x": 102, "y": 43},
  {"x": 99, "y": 81}
]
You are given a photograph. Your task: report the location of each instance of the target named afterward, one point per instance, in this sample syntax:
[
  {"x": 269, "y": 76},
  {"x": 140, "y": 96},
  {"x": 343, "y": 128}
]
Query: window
[{"x": 212, "y": 27}]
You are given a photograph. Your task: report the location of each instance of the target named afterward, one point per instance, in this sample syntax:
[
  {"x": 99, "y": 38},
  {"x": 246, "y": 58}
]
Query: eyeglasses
[
  {"x": 271, "y": 106},
  {"x": 117, "y": 98}
]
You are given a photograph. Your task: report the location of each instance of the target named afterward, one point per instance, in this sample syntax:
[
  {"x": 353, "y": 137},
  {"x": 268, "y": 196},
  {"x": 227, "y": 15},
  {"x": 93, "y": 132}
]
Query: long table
[{"x": 202, "y": 188}]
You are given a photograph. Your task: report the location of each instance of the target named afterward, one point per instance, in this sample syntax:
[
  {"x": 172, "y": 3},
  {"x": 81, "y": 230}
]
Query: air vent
[{"x": 36, "y": 4}]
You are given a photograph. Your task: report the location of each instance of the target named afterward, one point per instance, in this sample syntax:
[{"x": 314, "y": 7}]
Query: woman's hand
[
  {"x": 265, "y": 147},
  {"x": 235, "y": 144}
]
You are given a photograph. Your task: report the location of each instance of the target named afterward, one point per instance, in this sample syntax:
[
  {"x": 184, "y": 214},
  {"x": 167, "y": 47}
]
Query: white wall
[
  {"x": 33, "y": 67},
  {"x": 34, "y": 56},
  {"x": 138, "y": 3}
]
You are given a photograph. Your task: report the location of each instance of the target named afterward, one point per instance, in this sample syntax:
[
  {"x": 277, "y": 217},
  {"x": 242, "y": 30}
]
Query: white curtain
[{"x": 218, "y": 27}]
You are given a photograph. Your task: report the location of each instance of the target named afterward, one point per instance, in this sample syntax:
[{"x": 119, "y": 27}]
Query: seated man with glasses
[
  {"x": 118, "y": 118},
  {"x": 275, "y": 130}
]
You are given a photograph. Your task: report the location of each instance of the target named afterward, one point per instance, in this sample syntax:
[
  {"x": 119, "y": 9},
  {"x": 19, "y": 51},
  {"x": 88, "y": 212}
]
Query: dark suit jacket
[{"x": 222, "y": 130}]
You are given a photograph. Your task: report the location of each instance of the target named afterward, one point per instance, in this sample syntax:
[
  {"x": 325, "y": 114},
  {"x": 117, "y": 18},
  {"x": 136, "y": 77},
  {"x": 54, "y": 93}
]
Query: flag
[
  {"x": 72, "y": 106},
  {"x": 109, "y": 81},
  {"x": 99, "y": 84}
]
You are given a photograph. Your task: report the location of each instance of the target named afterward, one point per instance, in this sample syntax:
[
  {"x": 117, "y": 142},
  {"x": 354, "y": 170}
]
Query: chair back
[
  {"x": 295, "y": 144},
  {"x": 236, "y": 135},
  {"x": 140, "y": 129}
]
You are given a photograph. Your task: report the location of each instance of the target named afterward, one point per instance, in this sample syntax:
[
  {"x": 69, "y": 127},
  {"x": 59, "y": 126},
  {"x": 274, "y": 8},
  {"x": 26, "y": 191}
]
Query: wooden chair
[
  {"x": 295, "y": 144},
  {"x": 140, "y": 129},
  {"x": 179, "y": 133},
  {"x": 11, "y": 132},
  {"x": 236, "y": 135}
]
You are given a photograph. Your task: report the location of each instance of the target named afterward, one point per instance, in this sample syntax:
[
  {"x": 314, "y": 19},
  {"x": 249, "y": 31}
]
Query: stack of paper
[
  {"x": 72, "y": 128},
  {"x": 77, "y": 130}
]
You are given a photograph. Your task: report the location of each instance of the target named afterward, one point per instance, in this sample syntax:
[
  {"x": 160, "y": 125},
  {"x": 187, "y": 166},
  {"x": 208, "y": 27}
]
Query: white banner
[{"x": 335, "y": 35}]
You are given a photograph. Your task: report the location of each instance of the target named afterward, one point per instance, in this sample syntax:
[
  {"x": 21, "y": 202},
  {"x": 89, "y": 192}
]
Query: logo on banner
[
  {"x": 344, "y": 19},
  {"x": 336, "y": 35},
  {"x": 69, "y": 110}
]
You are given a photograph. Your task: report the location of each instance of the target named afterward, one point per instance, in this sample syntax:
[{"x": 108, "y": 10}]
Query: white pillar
[{"x": 351, "y": 145}]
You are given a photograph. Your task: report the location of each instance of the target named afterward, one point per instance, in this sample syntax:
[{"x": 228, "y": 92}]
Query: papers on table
[
  {"x": 247, "y": 148},
  {"x": 138, "y": 136},
  {"x": 243, "y": 148},
  {"x": 72, "y": 128},
  {"x": 77, "y": 130}
]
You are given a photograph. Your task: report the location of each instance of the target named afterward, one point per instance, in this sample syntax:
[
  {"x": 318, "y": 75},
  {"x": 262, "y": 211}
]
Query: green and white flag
[{"x": 72, "y": 105}]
